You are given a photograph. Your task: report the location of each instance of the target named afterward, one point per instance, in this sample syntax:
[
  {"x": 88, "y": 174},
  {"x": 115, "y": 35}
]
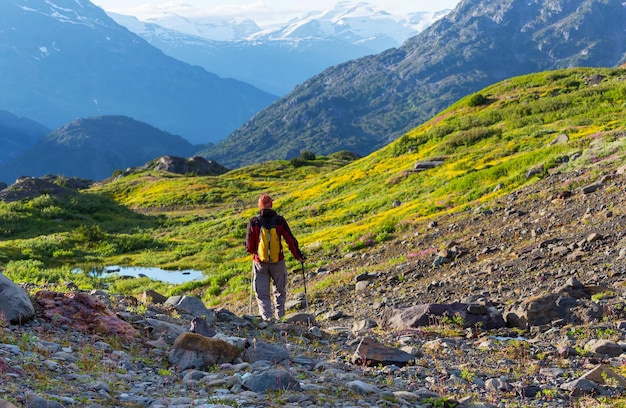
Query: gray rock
[
  {"x": 580, "y": 387},
  {"x": 427, "y": 164},
  {"x": 198, "y": 166},
  {"x": 193, "y": 306},
  {"x": 426, "y": 314},
  {"x": 603, "y": 375},
  {"x": 160, "y": 330},
  {"x": 370, "y": 352},
  {"x": 15, "y": 305},
  {"x": 261, "y": 351},
  {"x": 497, "y": 384},
  {"x": 605, "y": 347},
  {"x": 539, "y": 310},
  {"x": 363, "y": 325},
  {"x": 591, "y": 188},
  {"x": 272, "y": 380},
  {"x": 361, "y": 387},
  {"x": 560, "y": 139},
  {"x": 35, "y": 401}
]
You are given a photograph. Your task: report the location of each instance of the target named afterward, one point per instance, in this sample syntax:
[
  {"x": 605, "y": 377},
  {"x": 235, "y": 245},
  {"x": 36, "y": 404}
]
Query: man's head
[{"x": 265, "y": 201}]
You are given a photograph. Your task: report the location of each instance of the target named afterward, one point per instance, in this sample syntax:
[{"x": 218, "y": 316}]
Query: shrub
[
  {"x": 91, "y": 233},
  {"x": 477, "y": 100}
]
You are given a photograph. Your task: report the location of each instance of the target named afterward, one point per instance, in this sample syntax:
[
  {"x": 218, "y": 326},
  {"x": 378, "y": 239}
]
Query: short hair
[{"x": 265, "y": 201}]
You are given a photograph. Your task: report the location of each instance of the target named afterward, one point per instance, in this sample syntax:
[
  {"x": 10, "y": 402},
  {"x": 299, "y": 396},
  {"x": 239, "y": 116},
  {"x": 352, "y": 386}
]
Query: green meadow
[{"x": 489, "y": 144}]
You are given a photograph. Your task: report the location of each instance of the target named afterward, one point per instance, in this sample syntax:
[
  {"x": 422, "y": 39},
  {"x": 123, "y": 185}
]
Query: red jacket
[{"x": 254, "y": 228}]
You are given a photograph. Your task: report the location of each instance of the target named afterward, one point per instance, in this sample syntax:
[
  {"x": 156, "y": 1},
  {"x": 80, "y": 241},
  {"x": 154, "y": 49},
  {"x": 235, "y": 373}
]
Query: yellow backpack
[{"x": 269, "y": 241}]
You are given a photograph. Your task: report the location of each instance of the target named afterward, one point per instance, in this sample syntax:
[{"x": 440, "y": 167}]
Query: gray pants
[{"x": 277, "y": 272}]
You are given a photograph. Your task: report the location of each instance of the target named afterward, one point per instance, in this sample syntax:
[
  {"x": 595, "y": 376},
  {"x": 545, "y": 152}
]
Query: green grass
[{"x": 333, "y": 204}]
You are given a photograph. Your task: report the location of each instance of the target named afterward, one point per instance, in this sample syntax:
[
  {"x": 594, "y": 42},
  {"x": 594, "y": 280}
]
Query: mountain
[
  {"x": 18, "y": 134},
  {"x": 94, "y": 148},
  {"x": 280, "y": 57},
  {"x": 364, "y": 104},
  {"x": 66, "y": 59}
]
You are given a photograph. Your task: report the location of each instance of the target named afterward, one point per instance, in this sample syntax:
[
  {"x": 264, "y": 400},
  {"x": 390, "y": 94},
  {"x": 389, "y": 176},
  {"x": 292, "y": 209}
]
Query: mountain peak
[{"x": 81, "y": 12}]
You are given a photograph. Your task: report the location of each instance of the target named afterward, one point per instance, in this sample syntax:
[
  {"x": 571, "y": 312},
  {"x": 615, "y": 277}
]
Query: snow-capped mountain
[
  {"x": 66, "y": 59},
  {"x": 278, "y": 58}
]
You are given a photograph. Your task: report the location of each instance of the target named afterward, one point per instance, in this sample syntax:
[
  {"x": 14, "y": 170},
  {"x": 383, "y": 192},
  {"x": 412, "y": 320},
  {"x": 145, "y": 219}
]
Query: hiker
[{"x": 266, "y": 267}]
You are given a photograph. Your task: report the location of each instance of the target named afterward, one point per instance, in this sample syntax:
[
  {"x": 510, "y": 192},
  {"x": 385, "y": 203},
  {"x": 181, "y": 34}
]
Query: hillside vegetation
[
  {"x": 489, "y": 144},
  {"x": 364, "y": 104}
]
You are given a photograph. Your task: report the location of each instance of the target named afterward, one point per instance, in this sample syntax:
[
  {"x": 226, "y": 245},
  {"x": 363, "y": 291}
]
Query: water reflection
[{"x": 176, "y": 277}]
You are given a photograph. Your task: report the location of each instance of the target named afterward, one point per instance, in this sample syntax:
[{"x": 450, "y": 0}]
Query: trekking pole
[
  {"x": 306, "y": 297},
  {"x": 251, "y": 286}
]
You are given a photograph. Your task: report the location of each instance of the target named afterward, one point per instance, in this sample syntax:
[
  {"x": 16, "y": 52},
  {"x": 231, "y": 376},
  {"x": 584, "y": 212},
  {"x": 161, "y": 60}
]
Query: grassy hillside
[{"x": 490, "y": 144}]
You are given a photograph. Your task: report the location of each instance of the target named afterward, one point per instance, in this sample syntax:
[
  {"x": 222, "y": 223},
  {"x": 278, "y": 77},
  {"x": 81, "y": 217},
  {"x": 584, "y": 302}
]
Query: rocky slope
[{"x": 549, "y": 260}]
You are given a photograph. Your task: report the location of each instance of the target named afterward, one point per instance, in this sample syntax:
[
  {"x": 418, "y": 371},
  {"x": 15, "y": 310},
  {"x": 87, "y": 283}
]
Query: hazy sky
[{"x": 258, "y": 10}]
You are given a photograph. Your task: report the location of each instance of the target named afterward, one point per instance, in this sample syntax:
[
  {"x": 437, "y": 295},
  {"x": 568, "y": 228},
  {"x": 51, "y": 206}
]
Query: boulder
[
  {"x": 272, "y": 380},
  {"x": 82, "y": 312},
  {"x": 604, "y": 375},
  {"x": 27, "y": 188},
  {"x": 262, "y": 351},
  {"x": 193, "y": 350},
  {"x": 370, "y": 352},
  {"x": 6, "y": 368},
  {"x": 161, "y": 330},
  {"x": 15, "y": 305},
  {"x": 604, "y": 347},
  {"x": 427, "y": 165},
  {"x": 427, "y": 314},
  {"x": 545, "y": 309},
  {"x": 152, "y": 297},
  {"x": 581, "y": 387},
  {"x": 193, "y": 306}
]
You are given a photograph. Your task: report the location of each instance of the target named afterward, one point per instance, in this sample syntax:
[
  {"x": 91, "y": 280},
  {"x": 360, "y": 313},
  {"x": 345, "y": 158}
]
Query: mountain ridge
[
  {"x": 285, "y": 54},
  {"x": 363, "y": 104},
  {"x": 94, "y": 148},
  {"x": 68, "y": 59}
]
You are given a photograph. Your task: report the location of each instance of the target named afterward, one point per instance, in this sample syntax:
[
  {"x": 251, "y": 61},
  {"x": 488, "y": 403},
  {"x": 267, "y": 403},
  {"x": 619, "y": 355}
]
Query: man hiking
[{"x": 263, "y": 241}]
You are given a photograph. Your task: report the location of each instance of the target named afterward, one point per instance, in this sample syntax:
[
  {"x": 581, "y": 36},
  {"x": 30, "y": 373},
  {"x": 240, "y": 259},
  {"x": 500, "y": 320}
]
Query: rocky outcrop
[
  {"x": 27, "y": 188},
  {"x": 196, "y": 166},
  {"x": 82, "y": 312}
]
